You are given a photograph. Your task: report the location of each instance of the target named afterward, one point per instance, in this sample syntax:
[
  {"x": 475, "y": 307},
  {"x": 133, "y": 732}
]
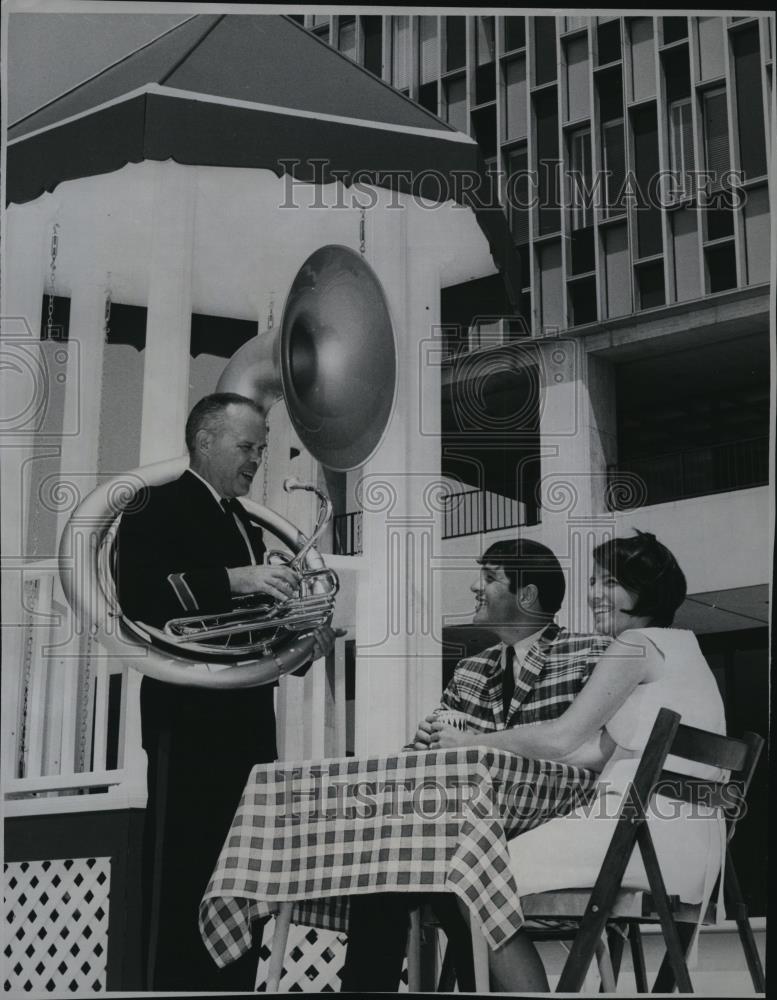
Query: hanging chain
[
  {"x": 108, "y": 304},
  {"x": 266, "y": 454},
  {"x": 52, "y": 279},
  {"x": 363, "y": 232},
  {"x": 266, "y": 463}
]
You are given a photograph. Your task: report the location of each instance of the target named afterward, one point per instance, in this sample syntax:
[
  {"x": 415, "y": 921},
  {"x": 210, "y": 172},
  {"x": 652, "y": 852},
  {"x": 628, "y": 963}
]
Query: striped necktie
[{"x": 508, "y": 681}]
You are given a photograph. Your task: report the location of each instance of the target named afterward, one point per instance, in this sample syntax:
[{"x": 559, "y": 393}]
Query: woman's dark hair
[
  {"x": 526, "y": 562},
  {"x": 647, "y": 568}
]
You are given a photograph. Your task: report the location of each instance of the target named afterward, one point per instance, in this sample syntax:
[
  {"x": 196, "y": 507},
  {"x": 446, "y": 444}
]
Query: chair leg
[
  {"x": 605, "y": 967},
  {"x": 278, "y": 953},
  {"x": 615, "y": 942},
  {"x": 447, "y": 973},
  {"x": 738, "y": 908},
  {"x": 674, "y": 947},
  {"x": 638, "y": 957},
  {"x": 480, "y": 958},
  {"x": 414, "y": 951},
  {"x": 665, "y": 980}
]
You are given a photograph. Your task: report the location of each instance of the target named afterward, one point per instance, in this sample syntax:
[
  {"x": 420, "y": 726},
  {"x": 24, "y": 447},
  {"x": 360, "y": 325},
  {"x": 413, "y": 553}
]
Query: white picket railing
[{"x": 72, "y": 714}]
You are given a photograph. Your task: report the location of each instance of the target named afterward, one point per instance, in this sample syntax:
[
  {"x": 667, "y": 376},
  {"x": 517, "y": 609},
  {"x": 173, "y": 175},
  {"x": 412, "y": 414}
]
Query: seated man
[
  {"x": 185, "y": 547},
  {"x": 531, "y": 675}
]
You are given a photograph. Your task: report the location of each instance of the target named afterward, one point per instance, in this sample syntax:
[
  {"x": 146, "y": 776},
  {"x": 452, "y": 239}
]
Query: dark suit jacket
[{"x": 173, "y": 549}]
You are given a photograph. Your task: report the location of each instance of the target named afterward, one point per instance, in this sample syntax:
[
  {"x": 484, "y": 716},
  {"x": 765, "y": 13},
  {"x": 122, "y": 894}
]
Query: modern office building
[{"x": 632, "y": 156}]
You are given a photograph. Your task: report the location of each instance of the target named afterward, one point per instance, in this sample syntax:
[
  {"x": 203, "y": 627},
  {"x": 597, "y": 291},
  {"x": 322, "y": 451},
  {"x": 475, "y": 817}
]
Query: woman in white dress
[{"x": 635, "y": 590}]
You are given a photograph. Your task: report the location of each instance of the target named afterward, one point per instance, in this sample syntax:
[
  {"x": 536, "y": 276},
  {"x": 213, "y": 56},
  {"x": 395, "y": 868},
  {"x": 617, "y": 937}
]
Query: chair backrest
[{"x": 737, "y": 756}]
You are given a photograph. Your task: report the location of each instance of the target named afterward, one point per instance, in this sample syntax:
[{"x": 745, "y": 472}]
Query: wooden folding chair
[
  {"x": 606, "y": 907},
  {"x": 735, "y": 905}
]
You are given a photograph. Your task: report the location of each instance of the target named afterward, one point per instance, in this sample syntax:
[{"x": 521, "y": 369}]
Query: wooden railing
[{"x": 72, "y": 714}]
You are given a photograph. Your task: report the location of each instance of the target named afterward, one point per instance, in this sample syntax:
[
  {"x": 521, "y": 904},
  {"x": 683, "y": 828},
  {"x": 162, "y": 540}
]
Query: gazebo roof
[{"x": 254, "y": 91}]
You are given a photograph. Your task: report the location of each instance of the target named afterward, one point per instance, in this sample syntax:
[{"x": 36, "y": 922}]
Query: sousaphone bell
[{"x": 333, "y": 361}]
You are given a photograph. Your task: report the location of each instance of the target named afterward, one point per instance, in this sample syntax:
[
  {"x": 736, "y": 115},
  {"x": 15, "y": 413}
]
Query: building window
[
  {"x": 747, "y": 70},
  {"x": 582, "y": 254},
  {"x": 545, "y": 62},
  {"x": 650, "y": 284},
  {"x": 721, "y": 267},
  {"x": 400, "y": 62},
  {"x": 580, "y": 178},
  {"x": 582, "y": 299},
  {"x": 484, "y": 130},
  {"x": 515, "y": 33},
  {"x": 518, "y": 194},
  {"x": 484, "y": 40},
  {"x": 675, "y": 28},
  {"x": 372, "y": 34},
  {"x": 608, "y": 42},
  {"x": 455, "y": 43},
  {"x": 485, "y": 68},
  {"x": 455, "y": 92},
  {"x": 614, "y": 164},
  {"x": 681, "y": 147},
  {"x": 546, "y": 112},
  {"x": 718, "y": 223},
  {"x": 346, "y": 36},
  {"x": 649, "y": 237},
  {"x": 717, "y": 160},
  {"x": 428, "y": 50},
  {"x": 515, "y": 120},
  {"x": 576, "y": 79}
]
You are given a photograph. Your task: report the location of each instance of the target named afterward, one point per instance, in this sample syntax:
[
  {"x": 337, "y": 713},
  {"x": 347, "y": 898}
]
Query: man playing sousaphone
[{"x": 184, "y": 548}]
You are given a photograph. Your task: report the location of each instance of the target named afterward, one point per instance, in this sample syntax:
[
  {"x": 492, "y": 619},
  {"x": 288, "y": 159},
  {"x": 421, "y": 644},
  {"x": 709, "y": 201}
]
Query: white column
[
  {"x": 83, "y": 389},
  {"x": 577, "y": 439},
  {"x": 22, "y": 395},
  {"x": 87, "y": 276},
  {"x": 396, "y": 650},
  {"x": 168, "y": 324}
]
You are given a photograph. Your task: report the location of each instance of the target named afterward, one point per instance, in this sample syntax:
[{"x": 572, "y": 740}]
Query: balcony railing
[
  {"x": 475, "y": 511},
  {"x": 347, "y": 534},
  {"x": 469, "y": 512},
  {"x": 695, "y": 472}
]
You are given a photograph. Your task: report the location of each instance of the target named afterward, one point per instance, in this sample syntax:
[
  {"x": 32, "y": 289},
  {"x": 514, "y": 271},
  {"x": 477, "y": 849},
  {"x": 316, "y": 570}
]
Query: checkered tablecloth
[{"x": 319, "y": 831}]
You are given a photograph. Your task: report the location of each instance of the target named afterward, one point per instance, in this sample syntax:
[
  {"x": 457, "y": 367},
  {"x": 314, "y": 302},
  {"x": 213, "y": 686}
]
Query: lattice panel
[
  {"x": 57, "y": 917},
  {"x": 313, "y": 963}
]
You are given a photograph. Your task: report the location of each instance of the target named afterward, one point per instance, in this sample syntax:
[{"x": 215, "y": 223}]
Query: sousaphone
[{"x": 333, "y": 360}]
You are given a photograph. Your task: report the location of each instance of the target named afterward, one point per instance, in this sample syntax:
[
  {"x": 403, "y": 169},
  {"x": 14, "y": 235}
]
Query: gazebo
[{"x": 157, "y": 216}]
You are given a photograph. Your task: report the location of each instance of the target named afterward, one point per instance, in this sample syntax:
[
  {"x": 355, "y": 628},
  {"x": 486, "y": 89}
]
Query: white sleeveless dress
[{"x": 567, "y": 852}]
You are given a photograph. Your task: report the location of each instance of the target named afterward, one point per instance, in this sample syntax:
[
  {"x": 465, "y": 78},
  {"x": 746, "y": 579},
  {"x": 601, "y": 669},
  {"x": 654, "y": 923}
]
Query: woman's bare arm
[{"x": 628, "y": 661}]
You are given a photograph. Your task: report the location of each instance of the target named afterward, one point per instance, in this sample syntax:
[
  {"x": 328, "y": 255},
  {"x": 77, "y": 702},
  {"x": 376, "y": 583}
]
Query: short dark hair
[
  {"x": 648, "y": 569},
  {"x": 212, "y": 406},
  {"x": 526, "y": 562}
]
